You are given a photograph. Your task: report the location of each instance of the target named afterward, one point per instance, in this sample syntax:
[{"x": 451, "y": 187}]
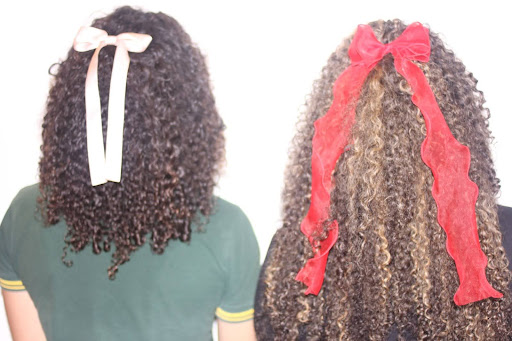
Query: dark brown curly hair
[
  {"x": 172, "y": 152},
  {"x": 389, "y": 268}
]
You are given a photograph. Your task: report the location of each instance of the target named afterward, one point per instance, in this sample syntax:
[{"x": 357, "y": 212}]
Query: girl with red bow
[{"x": 391, "y": 227}]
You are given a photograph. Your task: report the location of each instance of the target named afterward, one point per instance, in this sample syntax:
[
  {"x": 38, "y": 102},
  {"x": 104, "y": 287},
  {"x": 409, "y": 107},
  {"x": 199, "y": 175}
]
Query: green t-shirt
[{"x": 173, "y": 296}]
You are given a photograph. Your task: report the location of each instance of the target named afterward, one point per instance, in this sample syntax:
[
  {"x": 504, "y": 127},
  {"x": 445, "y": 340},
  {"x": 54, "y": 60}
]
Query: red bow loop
[
  {"x": 365, "y": 48},
  {"x": 413, "y": 43}
]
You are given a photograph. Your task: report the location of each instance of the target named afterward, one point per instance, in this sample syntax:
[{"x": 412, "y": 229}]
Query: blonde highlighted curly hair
[{"x": 389, "y": 270}]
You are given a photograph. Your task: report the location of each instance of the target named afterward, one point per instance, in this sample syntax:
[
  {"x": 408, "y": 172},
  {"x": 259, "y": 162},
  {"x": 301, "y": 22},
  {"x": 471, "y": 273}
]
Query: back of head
[
  {"x": 389, "y": 267},
  {"x": 172, "y": 149}
]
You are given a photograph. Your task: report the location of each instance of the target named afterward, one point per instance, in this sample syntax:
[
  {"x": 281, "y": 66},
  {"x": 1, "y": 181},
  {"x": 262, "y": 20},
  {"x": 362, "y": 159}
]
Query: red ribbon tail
[
  {"x": 308, "y": 275},
  {"x": 312, "y": 274},
  {"x": 469, "y": 293},
  {"x": 474, "y": 285},
  {"x": 454, "y": 192}
]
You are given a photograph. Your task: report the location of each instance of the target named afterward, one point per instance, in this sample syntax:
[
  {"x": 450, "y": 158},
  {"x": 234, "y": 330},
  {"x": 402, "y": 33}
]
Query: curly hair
[
  {"x": 389, "y": 268},
  {"x": 173, "y": 144}
]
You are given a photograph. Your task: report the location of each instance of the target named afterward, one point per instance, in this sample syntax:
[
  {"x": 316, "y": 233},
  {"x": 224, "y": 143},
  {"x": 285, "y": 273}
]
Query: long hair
[
  {"x": 172, "y": 150},
  {"x": 389, "y": 268}
]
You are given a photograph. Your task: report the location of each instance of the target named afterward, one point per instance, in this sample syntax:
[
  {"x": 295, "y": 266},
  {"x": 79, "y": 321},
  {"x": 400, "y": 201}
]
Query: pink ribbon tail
[{"x": 106, "y": 165}]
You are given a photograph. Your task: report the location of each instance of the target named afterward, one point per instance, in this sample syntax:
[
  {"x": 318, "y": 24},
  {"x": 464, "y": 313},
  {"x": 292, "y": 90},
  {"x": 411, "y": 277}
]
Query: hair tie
[
  {"x": 106, "y": 166},
  {"x": 455, "y": 194}
]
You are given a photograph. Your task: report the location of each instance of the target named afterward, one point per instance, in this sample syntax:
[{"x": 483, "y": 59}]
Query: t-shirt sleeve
[
  {"x": 505, "y": 217},
  {"x": 9, "y": 279},
  {"x": 241, "y": 257}
]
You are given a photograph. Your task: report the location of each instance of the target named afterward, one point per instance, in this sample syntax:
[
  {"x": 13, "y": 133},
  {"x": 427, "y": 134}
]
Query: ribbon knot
[
  {"x": 455, "y": 194},
  {"x": 106, "y": 165},
  {"x": 413, "y": 44},
  {"x": 110, "y": 40}
]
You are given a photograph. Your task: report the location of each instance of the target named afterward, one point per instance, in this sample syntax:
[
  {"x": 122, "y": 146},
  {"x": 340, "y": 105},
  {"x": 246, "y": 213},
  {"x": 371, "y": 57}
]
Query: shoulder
[
  {"x": 31, "y": 191},
  {"x": 223, "y": 209},
  {"x": 22, "y": 206},
  {"x": 230, "y": 233},
  {"x": 227, "y": 220},
  {"x": 225, "y": 230},
  {"x": 505, "y": 216},
  {"x": 21, "y": 216},
  {"x": 26, "y": 199}
]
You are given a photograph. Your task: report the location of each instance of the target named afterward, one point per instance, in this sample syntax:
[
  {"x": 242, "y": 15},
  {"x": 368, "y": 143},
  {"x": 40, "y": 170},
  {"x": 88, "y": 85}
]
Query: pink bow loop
[
  {"x": 89, "y": 38},
  {"x": 106, "y": 165},
  {"x": 135, "y": 42}
]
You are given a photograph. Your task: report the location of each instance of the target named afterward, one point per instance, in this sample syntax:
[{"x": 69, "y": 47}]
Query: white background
[{"x": 263, "y": 57}]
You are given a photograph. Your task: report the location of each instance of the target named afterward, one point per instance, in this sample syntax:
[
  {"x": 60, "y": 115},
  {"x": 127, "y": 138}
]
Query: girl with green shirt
[{"x": 128, "y": 242}]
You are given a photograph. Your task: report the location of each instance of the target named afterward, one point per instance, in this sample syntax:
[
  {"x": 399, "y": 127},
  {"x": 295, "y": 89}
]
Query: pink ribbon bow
[
  {"x": 453, "y": 191},
  {"x": 106, "y": 166}
]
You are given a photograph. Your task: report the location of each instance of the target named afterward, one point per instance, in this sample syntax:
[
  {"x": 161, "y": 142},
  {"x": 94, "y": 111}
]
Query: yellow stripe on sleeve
[
  {"x": 11, "y": 285},
  {"x": 235, "y": 317}
]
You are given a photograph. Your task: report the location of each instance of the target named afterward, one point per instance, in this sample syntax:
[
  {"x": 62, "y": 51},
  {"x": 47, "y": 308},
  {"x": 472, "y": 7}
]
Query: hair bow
[
  {"x": 106, "y": 166},
  {"x": 453, "y": 191}
]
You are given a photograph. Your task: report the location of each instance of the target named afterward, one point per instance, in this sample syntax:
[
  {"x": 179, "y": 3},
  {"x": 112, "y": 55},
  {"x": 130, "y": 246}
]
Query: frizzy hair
[
  {"x": 173, "y": 144},
  {"x": 389, "y": 268}
]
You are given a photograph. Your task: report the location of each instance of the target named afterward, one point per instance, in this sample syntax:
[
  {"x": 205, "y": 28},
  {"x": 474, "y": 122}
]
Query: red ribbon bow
[{"x": 453, "y": 191}]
